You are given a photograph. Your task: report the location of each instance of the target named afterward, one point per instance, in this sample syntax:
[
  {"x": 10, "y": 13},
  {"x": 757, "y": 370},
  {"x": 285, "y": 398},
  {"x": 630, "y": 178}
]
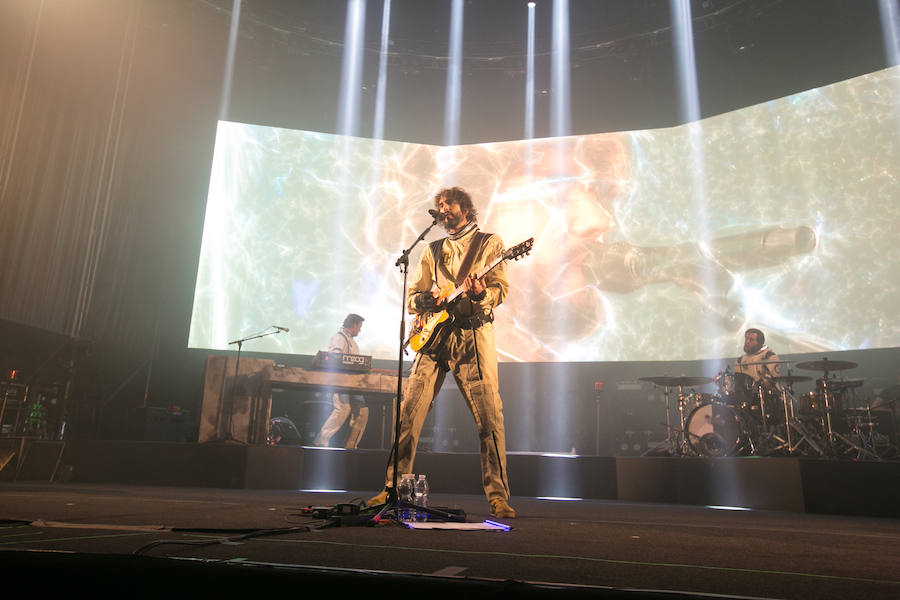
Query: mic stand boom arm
[{"x": 226, "y": 417}]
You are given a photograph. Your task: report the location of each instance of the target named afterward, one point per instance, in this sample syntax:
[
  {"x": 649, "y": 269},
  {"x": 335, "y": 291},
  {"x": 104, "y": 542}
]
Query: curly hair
[{"x": 460, "y": 197}]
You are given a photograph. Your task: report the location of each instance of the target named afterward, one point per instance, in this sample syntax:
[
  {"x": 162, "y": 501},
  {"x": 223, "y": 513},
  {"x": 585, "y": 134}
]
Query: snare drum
[{"x": 717, "y": 430}]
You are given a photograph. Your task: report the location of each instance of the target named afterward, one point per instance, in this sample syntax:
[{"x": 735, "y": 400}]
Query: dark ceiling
[{"x": 748, "y": 51}]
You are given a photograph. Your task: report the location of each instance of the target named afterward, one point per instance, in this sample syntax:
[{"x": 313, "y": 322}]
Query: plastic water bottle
[
  {"x": 405, "y": 494},
  {"x": 421, "y": 490},
  {"x": 421, "y": 497}
]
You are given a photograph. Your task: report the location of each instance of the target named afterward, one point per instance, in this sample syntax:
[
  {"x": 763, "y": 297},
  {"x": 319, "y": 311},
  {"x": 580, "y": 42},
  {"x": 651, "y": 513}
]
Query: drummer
[{"x": 758, "y": 361}]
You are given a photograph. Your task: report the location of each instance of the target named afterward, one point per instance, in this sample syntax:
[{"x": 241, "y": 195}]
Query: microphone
[
  {"x": 436, "y": 215},
  {"x": 284, "y": 329}
]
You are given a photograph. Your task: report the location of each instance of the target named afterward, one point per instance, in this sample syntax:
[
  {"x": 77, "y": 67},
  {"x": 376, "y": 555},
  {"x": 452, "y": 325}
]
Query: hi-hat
[
  {"x": 792, "y": 378},
  {"x": 678, "y": 381},
  {"x": 827, "y": 365}
]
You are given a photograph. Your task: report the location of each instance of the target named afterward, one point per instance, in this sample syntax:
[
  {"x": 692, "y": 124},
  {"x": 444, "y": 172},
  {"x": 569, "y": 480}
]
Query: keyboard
[{"x": 337, "y": 361}]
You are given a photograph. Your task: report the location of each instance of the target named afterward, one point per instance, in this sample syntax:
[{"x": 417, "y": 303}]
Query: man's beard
[{"x": 452, "y": 222}]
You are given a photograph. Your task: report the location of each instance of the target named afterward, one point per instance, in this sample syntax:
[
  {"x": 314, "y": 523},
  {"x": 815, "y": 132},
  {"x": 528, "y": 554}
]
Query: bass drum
[{"x": 717, "y": 430}]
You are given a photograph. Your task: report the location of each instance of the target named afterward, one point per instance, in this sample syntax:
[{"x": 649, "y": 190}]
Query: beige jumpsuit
[{"x": 469, "y": 353}]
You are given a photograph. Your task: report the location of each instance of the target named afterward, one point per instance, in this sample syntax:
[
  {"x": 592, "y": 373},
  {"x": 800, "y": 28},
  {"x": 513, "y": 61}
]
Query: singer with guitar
[{"x": 464, "y": 347}]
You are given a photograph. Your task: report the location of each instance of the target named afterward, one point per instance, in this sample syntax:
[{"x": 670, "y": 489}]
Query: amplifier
[{"x": 337, "y": 361}]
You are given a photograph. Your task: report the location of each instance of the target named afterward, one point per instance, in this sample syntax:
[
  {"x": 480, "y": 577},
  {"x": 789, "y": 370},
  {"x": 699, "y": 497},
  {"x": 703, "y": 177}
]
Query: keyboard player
[{"x": 345, "y": 405}]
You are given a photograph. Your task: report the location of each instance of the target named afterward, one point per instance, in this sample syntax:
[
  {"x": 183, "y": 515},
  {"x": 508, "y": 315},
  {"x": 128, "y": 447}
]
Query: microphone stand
[
  {"x": 393, "y": 507},
  {"x": 226, "y": 425}
]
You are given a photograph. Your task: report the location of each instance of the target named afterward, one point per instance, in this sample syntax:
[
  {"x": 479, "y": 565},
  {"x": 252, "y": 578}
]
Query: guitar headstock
[{"x": 519, "y": 250}]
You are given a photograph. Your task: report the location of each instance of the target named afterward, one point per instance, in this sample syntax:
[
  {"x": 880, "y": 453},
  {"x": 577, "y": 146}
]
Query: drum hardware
[
  {"x": 673, "y": 445},
  {"x": 792, "y": 423},
  {"x": 837, "y": 443},
  {"x": 863, "y": 425},
  {"x": 834, "y": 438},
  {"x": 759, "y": 419},
  {"x": 776, "y": 433},
  {"x": 763, "y": 415},
  {"x": 875, "y": 429}
]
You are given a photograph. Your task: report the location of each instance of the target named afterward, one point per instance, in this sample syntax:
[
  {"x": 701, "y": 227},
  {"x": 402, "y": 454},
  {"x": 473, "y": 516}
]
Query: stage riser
[
  {"x": 769, "y": 484},
  {"x": 783, "y": 484}
]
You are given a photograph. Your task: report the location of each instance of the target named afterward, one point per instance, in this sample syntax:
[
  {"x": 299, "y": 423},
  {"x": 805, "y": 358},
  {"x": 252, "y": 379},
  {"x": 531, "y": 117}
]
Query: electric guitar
[{"x": 427, "y": 327}]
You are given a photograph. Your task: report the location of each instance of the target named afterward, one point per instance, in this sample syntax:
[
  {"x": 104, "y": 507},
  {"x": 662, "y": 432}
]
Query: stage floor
[{"x": 609, "y": 544}]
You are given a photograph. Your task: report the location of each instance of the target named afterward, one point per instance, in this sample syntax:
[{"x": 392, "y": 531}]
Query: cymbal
[
  {"x": 792, "y": 378},
  {"x": 827, "y": 365},
  {"x": 678, "y": 381}
]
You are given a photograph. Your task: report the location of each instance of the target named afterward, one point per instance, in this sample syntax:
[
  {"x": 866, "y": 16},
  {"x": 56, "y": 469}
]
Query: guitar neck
[{"x": 487, "y": 269}]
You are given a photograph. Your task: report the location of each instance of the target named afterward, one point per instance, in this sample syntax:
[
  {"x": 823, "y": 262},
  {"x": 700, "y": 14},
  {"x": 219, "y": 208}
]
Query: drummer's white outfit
[{"x": 764, "y": 373}]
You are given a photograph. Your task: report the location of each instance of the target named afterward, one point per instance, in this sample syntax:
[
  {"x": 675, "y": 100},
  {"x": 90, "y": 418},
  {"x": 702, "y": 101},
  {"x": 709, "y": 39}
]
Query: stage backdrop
[{"x": 649, "y": 245}]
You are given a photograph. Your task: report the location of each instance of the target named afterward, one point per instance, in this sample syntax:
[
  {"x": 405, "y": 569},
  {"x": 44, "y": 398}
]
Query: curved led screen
[{"x": 649, "y": 245}]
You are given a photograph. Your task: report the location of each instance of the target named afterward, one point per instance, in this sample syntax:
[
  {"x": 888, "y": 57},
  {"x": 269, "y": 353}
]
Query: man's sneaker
[
  {"x": 502, "y": 510},
  {"x": 377, "y": 500}
]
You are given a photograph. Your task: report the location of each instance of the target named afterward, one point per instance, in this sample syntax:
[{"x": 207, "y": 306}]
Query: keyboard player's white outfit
[{"x": 345, "y": 405}]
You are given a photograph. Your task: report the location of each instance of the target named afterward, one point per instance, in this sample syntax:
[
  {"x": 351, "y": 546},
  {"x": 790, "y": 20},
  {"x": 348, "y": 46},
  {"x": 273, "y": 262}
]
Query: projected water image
[{"x": 800, "y": 211}]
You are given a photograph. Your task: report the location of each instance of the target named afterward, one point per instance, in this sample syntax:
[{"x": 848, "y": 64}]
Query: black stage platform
[
  {"x": 68, "y": 538},
  {"x": 811, "y": 485}
]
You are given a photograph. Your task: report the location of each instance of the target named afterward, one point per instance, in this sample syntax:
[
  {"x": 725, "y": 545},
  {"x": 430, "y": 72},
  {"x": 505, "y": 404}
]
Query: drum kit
[{"x": 746, "y": 417}]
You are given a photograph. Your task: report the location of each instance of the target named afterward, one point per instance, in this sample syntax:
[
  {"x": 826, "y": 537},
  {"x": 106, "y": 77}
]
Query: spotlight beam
[
  {"x": 686, "y": 63},
  {"x": 454, "y": 76},
  {"x": 529, "y": 77},
  {"x": 381, "y": 92},
  {"x": 351, "y": 68},
  {"x": 890, "y": 28},
  {"x": 225, "y": 101},
  {"x": 560, "y": 106}
]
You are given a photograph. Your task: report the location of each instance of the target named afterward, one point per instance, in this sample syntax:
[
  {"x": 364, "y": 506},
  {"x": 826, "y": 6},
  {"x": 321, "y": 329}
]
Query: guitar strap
[{"x": 468, "y": 259}]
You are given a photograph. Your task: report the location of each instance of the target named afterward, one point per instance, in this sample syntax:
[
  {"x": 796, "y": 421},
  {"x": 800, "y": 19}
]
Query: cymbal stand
[
  {"x": 671, "y": 447},
  {"x": 788, "y": 415},
  {"x": 684, "y": 445},
  {"x": 764, "y": 445},
  {"x": 669, "y": 441},
  {"x": 791, "y": 422},
  {"x": 760, "y": 394},
  {"x": 833, "y": 436}
]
